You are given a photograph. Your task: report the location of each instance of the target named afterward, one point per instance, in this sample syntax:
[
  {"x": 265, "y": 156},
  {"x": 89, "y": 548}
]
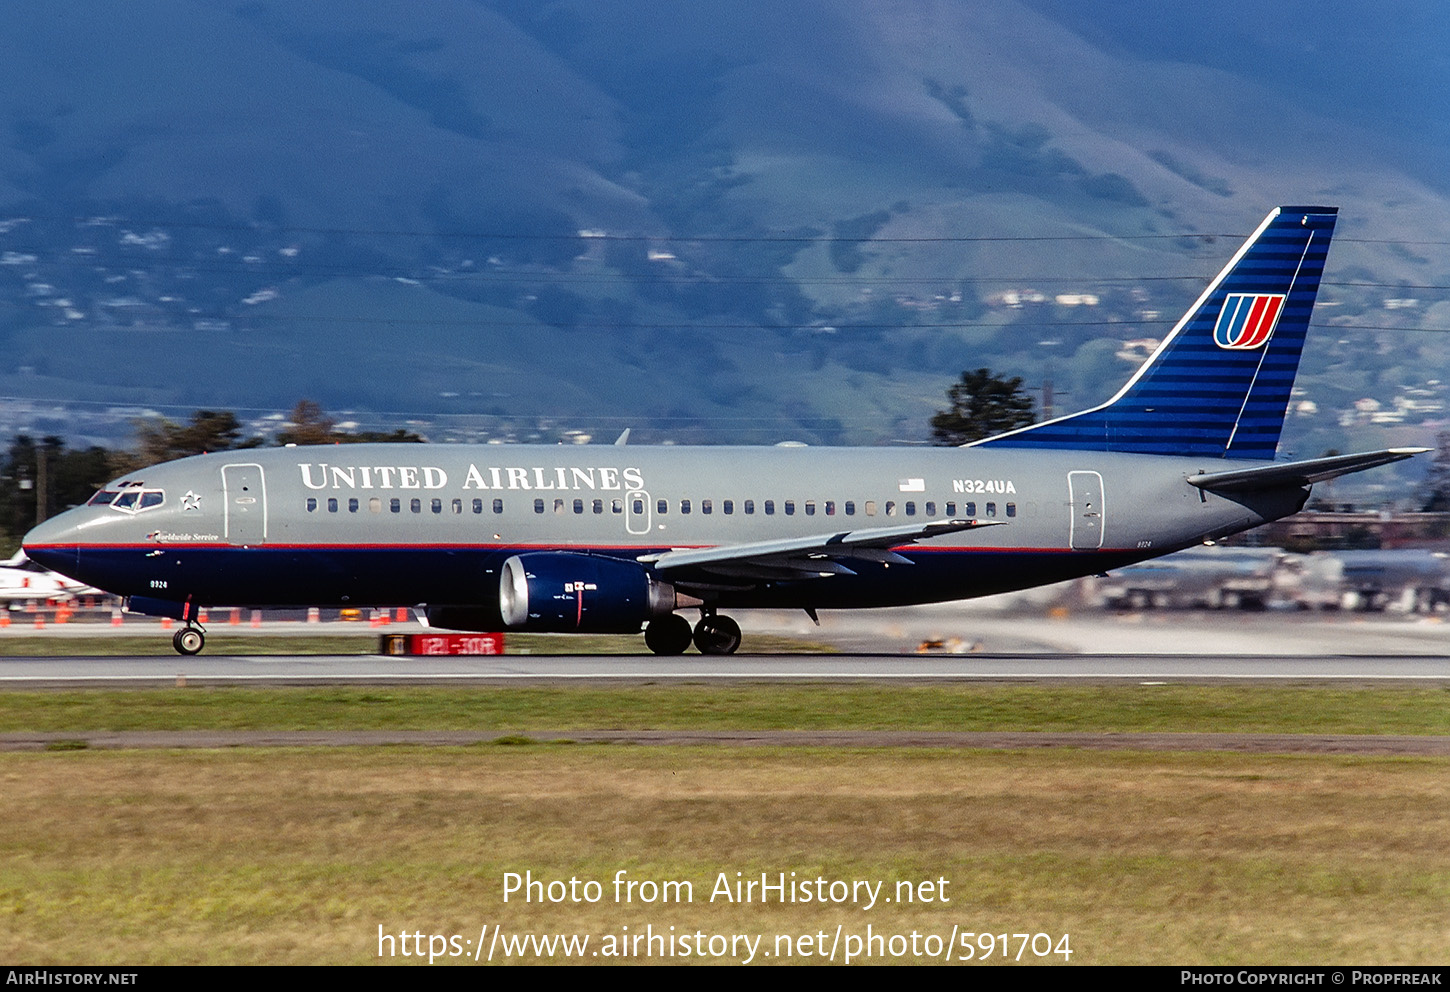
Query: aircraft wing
[
  {"x": 1298, "y": 473},
  {"x": 812, "y": 557}
]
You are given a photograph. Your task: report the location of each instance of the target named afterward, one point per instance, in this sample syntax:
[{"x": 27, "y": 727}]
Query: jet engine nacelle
[{"x": 561, "y": 592}]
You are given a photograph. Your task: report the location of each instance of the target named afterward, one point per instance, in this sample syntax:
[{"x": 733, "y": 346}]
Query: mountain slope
[{"x": 729, "y": 222}]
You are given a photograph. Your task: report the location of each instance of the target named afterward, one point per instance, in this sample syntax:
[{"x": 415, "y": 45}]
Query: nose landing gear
[{"x": 188, "y": 640}]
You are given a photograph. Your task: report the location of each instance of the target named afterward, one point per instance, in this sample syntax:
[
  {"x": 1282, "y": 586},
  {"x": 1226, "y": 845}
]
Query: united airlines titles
[{"x": 601, "y": 478}]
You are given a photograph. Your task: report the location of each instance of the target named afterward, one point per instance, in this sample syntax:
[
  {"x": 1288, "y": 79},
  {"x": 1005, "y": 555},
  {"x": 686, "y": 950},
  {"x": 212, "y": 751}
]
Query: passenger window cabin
[{"x": 705, "y": 505}]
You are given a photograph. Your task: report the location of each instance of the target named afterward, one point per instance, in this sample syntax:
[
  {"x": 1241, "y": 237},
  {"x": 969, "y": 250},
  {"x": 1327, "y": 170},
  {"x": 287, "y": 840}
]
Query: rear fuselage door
[
  {"x": 244, "y": 494},
  {"x": 1085, "y": 527}
]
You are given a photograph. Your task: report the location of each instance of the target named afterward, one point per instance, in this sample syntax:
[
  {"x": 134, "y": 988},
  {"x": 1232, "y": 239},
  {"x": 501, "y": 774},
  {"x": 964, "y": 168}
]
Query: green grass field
[
  {"x": 862, "y": 706},
  {"x": 301, "y": 855}
]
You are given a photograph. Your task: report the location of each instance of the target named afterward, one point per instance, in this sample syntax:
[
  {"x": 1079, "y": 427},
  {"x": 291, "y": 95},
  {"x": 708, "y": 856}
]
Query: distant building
[{"x": 1318, "y": 529}]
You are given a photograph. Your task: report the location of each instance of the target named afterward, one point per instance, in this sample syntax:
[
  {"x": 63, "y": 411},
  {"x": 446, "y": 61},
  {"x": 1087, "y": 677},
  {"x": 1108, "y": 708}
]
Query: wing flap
[{"x": 815, "y": 556}]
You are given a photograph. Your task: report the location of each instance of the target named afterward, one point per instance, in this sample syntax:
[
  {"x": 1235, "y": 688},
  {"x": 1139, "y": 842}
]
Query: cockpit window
[
  {"x": 107, "y": 496},
  {"x": 130, "y": 500}
]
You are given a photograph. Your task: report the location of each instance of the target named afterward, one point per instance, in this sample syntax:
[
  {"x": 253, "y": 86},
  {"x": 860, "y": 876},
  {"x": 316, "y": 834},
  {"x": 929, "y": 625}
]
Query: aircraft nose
[{"x": 53, "y": 544}]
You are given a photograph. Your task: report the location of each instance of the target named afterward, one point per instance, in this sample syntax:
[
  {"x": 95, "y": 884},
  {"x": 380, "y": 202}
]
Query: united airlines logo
[{"x": 1247, "y": 320}]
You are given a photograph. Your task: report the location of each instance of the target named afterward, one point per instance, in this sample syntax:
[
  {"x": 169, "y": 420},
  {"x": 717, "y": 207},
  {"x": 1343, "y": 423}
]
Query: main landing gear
[
  {"x": 714, "y": 634},
  {"x": 717, "y": 635},
  {"x": 189, "y": 640}
]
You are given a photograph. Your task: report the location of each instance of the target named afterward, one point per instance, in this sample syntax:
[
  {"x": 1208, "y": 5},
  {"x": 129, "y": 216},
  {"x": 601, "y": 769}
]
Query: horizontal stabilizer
[{"x": 1298, "y": 473}]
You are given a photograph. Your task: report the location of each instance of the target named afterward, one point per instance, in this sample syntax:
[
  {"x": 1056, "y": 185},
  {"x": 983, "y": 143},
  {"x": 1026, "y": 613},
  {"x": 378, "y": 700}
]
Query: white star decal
[{"x": 191, "y": 501}]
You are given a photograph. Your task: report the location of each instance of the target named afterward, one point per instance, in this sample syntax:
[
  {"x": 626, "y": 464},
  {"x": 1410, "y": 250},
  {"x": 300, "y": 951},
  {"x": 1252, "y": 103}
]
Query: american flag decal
[{"x": 1247, "y": 320}]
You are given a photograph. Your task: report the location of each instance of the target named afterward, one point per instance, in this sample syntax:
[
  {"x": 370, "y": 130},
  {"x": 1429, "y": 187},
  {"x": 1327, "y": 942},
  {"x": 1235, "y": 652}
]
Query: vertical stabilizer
[{"x": 1219, "y": 384}]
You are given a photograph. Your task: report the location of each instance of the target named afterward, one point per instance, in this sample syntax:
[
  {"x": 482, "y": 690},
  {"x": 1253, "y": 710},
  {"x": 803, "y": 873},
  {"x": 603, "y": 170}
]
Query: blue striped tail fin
[{"x": 1219, "y": 384}]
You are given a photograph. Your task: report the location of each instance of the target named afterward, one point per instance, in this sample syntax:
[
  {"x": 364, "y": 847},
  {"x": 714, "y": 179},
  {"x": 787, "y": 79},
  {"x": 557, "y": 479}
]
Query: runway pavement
[
  {"x": 960, "y": 643},
  {"x": 320, "y": 669}
]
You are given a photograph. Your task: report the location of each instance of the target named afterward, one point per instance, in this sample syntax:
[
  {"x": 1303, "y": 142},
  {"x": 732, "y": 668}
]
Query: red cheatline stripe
[{"x": 515, "y": 548}]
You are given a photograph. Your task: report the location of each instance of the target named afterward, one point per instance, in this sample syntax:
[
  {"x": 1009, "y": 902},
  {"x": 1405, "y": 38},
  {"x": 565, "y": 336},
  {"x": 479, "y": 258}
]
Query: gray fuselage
[{"x": 393, "y": 524}]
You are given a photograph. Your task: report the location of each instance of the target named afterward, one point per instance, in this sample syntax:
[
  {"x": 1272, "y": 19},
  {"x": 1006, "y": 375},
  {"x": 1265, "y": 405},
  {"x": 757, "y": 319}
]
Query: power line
[
  {"x": 276, "y": 269},
  {"x": 805, "y": 235}
]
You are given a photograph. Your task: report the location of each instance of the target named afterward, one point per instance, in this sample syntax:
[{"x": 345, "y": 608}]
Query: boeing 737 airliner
[{"x": 615, "y": 539}]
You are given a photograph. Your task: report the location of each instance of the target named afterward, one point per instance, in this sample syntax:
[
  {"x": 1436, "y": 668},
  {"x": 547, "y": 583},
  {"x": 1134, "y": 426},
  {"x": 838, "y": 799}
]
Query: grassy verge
[
  {"x": 296, "y": 856},
  {"x": 293, "y": 855},
  {"x": 1003, "y": 707},
  {"x": 159, "y": 643}
]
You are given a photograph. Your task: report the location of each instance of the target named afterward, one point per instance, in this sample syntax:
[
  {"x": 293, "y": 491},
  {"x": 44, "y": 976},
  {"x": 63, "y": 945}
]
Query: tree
[
  {"x": 310, "y": 425},
  {"x": 161, "y": 440},
  {"x": 1436, "y": 488},
  {"x": 982, "y": 404},
  {"x": 40, "y": 478}
]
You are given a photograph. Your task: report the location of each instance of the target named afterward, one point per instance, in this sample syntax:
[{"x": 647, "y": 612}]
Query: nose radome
[
  {"x": 56, "y": 530},
  {"x": 52, "y": 544}
]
